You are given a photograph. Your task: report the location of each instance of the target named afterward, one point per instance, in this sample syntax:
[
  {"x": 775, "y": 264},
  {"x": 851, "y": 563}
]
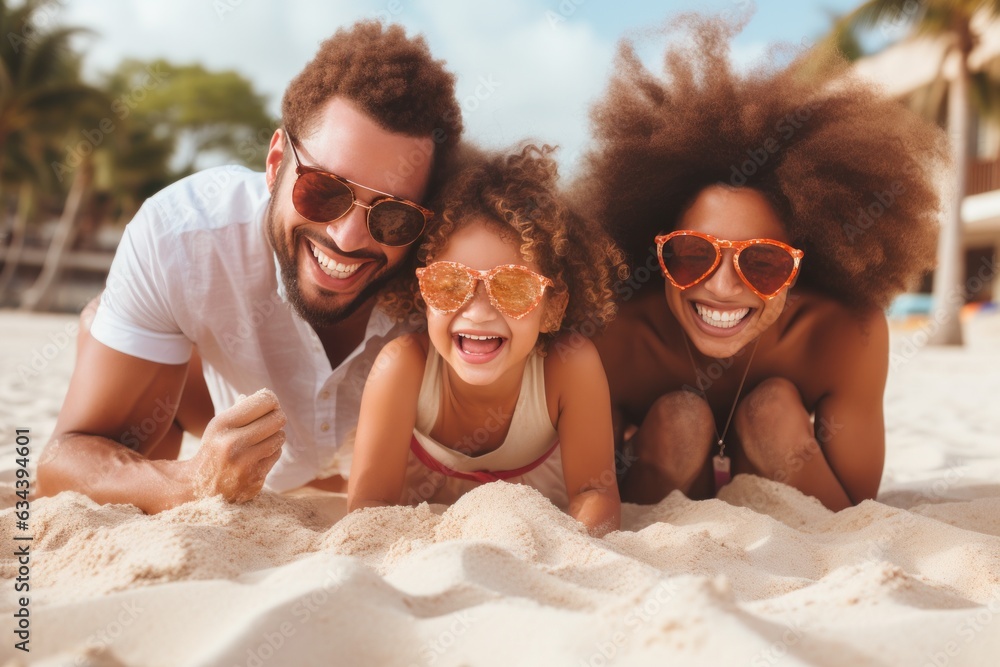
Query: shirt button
[
  {"x": 324, "y": 394},
  {"x": 324, "y": 427}
]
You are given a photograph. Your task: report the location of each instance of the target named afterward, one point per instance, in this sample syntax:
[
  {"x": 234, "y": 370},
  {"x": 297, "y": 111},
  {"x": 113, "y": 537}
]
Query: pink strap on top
[{"x": 482, "y": 476}]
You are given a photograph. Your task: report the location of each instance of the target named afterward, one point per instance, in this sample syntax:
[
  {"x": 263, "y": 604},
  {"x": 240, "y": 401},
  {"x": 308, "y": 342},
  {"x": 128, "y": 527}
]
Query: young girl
[
  {"x": 500, "y": 386},
  {"x": 783, "y": 212}
]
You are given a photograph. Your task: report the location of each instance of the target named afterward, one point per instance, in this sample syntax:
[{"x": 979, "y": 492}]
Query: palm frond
[
  {"x": 50, "y": 57},
  {"x": 986, "y": 90},
  {"x": 875, "y": 14},
  {"x": 991, "y": 7}
]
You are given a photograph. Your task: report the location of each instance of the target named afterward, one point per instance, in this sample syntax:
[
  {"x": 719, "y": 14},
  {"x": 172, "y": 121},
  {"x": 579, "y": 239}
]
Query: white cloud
[
  {"x": 524, "y": 69},
  {"x": 519, "y": 76},
  {"x": 266, "y": 42}
]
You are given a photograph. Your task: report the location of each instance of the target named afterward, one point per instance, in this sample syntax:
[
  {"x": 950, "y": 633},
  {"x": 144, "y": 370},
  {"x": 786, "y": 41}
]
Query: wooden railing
[
  {"x": 87, "y": 260},
  {"x": 983, "y": 176}
]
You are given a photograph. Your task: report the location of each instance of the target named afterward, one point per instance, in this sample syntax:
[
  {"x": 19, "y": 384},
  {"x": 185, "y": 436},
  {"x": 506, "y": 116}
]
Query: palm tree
[
  {"x": 39, "y": 295},
  {"x": 22, "y": 172},
  {"x": 39, "y": 89},
  {"x": 957, "y": 24},
  {"x": 129, "y": 166},
  {"x": 44, "y": 108}
]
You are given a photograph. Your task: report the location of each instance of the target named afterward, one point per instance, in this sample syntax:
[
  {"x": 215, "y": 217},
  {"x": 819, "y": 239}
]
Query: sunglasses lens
[
  {"x": 688, "y": 259},
  {"x": 320, "y": 197},
  {"x": 395, "y": 223},
  {"x": 444, "y": 287},
  {"x": 516, "y": 290},
  {"x": 766, "y": 267}
]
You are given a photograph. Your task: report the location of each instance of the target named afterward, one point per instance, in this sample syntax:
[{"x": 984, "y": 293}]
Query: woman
[{"x": 769, "y": 218}]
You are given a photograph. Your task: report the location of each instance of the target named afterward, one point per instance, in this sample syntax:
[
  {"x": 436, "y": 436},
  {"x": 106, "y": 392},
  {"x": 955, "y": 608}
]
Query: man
[{"x": 273, "y": 278}]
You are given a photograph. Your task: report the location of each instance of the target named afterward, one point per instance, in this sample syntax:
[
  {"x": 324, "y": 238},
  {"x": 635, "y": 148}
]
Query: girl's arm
[
  {"x": 574, "y": 377},
  {"x": 385, "y": 425}
]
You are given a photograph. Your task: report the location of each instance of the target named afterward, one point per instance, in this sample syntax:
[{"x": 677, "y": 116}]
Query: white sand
[{"x": 761, "y": 576}]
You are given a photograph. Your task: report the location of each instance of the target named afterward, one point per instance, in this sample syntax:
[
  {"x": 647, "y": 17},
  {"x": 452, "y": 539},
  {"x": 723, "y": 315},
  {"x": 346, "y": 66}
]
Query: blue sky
[{"x": 526, "y": 68}]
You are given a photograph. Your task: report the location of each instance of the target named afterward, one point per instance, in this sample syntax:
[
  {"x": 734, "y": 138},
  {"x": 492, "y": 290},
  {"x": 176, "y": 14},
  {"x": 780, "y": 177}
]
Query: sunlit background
[
  {"x": 545, "y": 60},
  {"x": 113, "y": 100}
]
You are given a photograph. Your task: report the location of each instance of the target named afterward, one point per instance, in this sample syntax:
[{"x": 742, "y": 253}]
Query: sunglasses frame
[
  {"x": 720, "y": 245},
  {"x": 486, "y": 277},
  {"x": 301, "y": 170}
]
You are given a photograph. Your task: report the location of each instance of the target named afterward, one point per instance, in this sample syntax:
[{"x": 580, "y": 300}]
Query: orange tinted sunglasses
[
  {"x": 513, "y": 290},
  {"x": 766, "y": 266}
]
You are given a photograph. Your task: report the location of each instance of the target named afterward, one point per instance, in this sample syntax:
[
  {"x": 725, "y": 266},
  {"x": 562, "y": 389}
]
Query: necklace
[{"x": 721, "y": 464}]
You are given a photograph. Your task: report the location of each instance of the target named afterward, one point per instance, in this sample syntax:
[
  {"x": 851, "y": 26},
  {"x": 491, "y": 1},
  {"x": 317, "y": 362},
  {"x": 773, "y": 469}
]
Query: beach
[{"x": 762, "y": 575}]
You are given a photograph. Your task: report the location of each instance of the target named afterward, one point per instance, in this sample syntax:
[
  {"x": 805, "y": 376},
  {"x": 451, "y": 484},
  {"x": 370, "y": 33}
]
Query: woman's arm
[
  {"x": 849, "y": 422},
  {"x": 385, "y": 425},
  {"x": 575, "y": 379}
]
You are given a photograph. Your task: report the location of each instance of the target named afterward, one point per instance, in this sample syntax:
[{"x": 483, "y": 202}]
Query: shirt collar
[{"x": 282, "y": 292}]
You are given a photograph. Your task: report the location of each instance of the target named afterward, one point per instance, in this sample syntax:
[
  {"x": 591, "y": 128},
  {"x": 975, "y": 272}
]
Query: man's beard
[{"x": 315, "y": 317}]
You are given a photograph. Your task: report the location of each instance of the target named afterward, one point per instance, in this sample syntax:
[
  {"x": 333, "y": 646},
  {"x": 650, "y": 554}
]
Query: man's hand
[
  {"x": 238, "y": 449},
  {"x": 101, "y": 441}
]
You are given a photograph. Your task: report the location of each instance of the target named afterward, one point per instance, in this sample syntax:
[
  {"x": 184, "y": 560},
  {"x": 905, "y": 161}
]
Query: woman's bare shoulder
[
  {"x": 643, "y": 317},
  {"x": 831, "y": 326}
]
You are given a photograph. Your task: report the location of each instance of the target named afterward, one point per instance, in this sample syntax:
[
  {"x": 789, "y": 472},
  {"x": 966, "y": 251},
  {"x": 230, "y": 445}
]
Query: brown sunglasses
[{"x": 322, "y": 196}]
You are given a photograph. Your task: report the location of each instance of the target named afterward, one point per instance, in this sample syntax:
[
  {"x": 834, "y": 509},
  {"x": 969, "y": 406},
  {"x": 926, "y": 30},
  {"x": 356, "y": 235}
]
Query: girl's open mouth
[{"x": 478, "y": 348}]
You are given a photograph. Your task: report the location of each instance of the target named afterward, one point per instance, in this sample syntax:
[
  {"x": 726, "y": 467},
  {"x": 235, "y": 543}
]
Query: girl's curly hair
[
  {"x": 518, "y": 192},
  {"x": 850, "y": 172}
]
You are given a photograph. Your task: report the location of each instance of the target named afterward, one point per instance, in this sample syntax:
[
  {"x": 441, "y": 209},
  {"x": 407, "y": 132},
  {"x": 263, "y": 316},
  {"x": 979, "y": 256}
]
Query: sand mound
[
  {"x": 506, "y": 577},
  {"x": 762, "y": 576}
]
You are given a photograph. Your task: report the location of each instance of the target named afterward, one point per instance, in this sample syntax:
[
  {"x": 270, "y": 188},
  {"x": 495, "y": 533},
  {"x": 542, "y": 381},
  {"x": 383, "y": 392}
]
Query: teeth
[
  {"x": 333, "y": 268},
  {"x": 724, "y": 319},
  {"x": 472, "y": 337}
]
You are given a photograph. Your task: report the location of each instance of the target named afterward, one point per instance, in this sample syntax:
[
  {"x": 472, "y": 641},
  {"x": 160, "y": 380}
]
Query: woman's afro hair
[{"x": 850, "y": 172}]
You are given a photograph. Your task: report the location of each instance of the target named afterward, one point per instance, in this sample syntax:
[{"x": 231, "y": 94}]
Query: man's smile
[{"x": 332, "y": 267}]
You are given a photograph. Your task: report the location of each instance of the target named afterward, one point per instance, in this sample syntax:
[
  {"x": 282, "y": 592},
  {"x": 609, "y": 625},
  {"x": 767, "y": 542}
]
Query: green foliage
[
  {"x": 145, "y": 125},
  {"x": 41, "y": 95},
  {"x": 205, "y": 111}
]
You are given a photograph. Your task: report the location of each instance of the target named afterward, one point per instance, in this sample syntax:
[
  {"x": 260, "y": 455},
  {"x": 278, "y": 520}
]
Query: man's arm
[{"x": 119, "y": 407}]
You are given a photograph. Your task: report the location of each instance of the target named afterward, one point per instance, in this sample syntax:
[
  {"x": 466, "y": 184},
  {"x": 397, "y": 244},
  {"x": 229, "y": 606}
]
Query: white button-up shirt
[{"x": 195, "y": 267}]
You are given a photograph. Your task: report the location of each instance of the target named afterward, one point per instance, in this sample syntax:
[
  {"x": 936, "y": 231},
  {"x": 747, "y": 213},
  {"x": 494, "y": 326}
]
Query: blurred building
[{"x": 916, "y": 71}]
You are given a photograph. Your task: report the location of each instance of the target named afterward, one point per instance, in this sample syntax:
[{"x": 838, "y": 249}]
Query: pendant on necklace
[{"x": 721, "y": 467}]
